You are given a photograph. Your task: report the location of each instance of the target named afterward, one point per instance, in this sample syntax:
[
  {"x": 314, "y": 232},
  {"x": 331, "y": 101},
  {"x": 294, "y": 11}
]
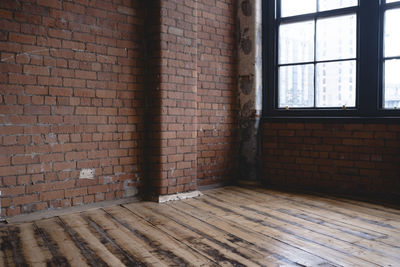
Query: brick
[
  {"x": 60, "y": 91},
  {"x": 21, "y": 79},
  {"x": 97, "y": 189},
  {"x": 11, "y": 191},
  {"x": 91, "y": 75},
  {"x": 52, "y": 195},
  {"x": 73, "y": 45},
  {"x": 75, "y": 156},
  {"x": 83, "y": 37},
  {"x": 11, "y": 110},
  {"x": 22, "y": 38},
  {"x": 74, "y": 8},
  {"x": 27, "y": 199},
  {"x": 105, "y": 93},
  {"x": 50, "y": 3},
  {"x": 61, "y": 34},
  {"x": 120, "y": 52},
  {"x": 10, "y": 68},
  {"x": 64, "y": 166},
  {"x": 75, "y": 192},
  {"x": 19, "y": 160},
  {"x": 37, "y": 110},
  {"x": 36, "y": 70},
  {"x": 86, "y": 110}
]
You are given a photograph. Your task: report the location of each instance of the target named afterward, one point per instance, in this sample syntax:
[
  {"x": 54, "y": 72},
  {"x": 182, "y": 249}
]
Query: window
[
  {"x": 332, "y": 57},
  {"x": 391, "y": 56}
]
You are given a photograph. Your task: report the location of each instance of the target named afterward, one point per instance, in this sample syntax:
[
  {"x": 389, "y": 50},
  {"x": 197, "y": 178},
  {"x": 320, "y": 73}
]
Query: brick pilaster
[{"x": 171, "y": 99}]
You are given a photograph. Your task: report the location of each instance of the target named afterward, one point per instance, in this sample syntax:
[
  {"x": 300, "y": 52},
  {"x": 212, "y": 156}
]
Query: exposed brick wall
[
  {"x": 71, "y": 85},
  {"x": 173, "y": 99},
  {"x": 346, "y": 158},
  {"x": 216, "y": 93},
  {"x": 91, "y": 83},
  {"x": 192, "y": 97}
]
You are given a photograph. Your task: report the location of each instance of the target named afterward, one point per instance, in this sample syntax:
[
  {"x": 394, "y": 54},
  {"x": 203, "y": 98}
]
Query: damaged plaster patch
[
  {"x": 245, "y": 42},
  {"x": 86, "y": 174},
  {"x": 247, "y": 110},
  {"x": 246, "y": 8},
  {"x": 246, "y": 84},
  {"x": 108, "y": 180},
  {"x": 249, "y": 18},
  {"x": 129, "y": 189},
  {"x": 179, "y": 196}
]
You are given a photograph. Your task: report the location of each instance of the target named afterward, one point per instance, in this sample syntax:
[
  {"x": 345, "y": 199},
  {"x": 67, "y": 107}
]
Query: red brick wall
[
  {"x": 71, "y": 85},
  {"x": 72, "y": 82},
  {"x": 172, "y": 97},
  {"x": 349, "y": 158},
  {"x": 192, "y": 95},
  {"x": 216, "y": 93}
]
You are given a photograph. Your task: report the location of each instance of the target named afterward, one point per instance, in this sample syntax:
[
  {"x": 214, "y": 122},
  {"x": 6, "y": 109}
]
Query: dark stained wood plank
[
  {"x": 225, "y": 239},
  {"x": 340, "y": 207},
  {"x": 124, "y": 238},
  {"x": 303, "y": 238},
  {"x": 111, "y": 244},
  {"x": 381, "y": 235},
  {"x": 60, "y": 242},
  {"x": 179, "y": 253},
  {"x": 45, "y": 241},
  {"x": 11, "y": 247},
  {"x": 220, "y": 252},
  {"x": 315, "y": 207},
  {"x": 78, "y": 228},
  {"x": 380, "y": 253},
  {"x": 35, "y": 253},
  {"x": 277, "y": 251}
]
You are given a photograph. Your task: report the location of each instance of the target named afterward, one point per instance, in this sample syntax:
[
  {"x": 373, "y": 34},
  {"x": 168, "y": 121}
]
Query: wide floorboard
[{"x": 230, "y": 226}]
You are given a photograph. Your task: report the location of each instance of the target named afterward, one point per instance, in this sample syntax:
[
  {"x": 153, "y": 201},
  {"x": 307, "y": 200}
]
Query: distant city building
[{"x": 335, "y": 82}]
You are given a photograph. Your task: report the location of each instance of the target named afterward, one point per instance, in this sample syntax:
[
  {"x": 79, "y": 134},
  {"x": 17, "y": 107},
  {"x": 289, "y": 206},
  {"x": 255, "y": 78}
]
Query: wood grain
[{"x": 230, "y": 226}]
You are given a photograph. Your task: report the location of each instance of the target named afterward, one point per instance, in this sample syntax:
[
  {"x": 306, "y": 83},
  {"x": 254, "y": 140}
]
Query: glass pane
[
  {"x": 337, "y": 37},
  {"x": 391, "y": 1},
  {"x": 296, "y": 42},
  {"x": 336, "y": 84},
  {"x": 392, "y": 33},
  {"x": 335, "y": 4},
  {"x": 296, "y": 86},
  {"x": 391, "y": 96},
  {"x": 296, "y": 7}
]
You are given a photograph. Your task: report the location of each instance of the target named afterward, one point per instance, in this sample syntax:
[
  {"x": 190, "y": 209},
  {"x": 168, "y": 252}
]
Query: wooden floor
[{"x": 229, "y": 226}]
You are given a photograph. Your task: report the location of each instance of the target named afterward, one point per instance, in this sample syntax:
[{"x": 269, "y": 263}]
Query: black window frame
[{"x": 369, "y": 84}]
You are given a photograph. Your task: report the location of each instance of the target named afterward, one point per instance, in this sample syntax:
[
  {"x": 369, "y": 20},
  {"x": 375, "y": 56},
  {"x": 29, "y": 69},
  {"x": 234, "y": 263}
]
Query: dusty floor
[{"x": 229, "y": 226}]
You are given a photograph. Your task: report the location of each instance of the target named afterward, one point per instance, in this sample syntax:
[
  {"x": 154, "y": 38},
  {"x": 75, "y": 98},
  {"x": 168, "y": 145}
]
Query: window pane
[
  {"x": 296, "y": 7},
  {"x": 296, "y": 86},
  {"x": 335, "y": 4},
  {"x": 336, "y": 38},
  {"x": 392, "y": 33},
  {"x": 336, "y": 84},
  {"x": 391, "y": 1},
  {"x": 391, "y": 96},
  {"x": 296, "y": 42}
]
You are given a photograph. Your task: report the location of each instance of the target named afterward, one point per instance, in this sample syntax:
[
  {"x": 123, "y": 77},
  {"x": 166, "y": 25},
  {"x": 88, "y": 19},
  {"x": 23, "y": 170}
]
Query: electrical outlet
[{"x": 86, "y": 174}]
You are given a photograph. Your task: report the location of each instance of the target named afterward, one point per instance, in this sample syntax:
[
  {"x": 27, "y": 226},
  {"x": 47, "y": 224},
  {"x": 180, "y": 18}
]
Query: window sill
[{"x": 333, "y": 119}]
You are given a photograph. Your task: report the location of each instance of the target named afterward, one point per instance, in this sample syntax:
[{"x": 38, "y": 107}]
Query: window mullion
[
  {"x": 270, "y": 55},
  {"x": 315, "y": 60}
]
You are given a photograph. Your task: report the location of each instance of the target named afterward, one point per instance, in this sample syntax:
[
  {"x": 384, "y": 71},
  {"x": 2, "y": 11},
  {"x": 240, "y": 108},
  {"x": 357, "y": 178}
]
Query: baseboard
[{"x": 179, "y": 196}]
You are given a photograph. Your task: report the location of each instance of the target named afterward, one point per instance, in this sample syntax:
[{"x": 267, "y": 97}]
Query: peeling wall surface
[{"x": 249, "y": 84}]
